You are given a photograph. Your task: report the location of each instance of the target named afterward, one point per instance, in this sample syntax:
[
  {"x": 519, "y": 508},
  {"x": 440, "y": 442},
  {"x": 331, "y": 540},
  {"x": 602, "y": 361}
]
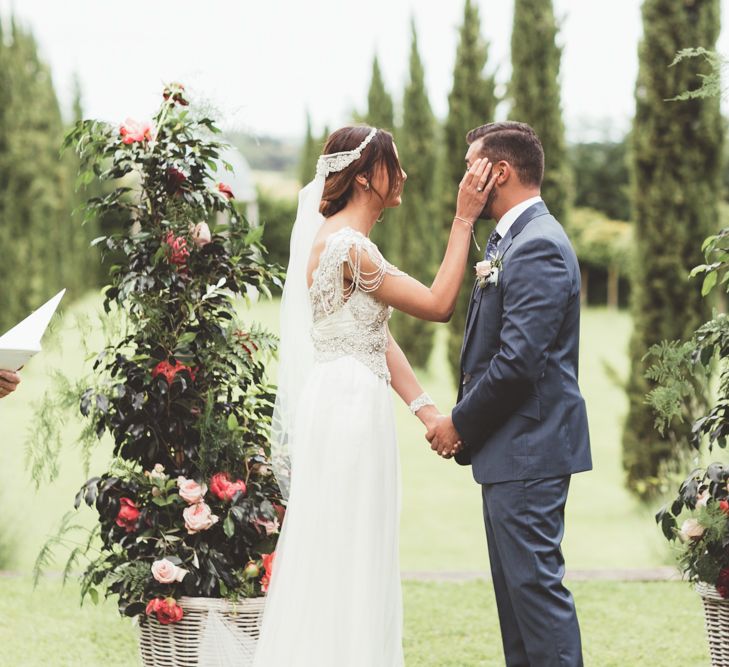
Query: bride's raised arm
[{"x": 437, "y": 302}]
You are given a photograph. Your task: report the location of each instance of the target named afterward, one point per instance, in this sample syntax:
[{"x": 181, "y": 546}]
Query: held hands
[
  {"x": 474, "y": 190},
  {"x": 8, "y": 382},
  {"x": 443, "y": 437},
  {"x": 433, "y": 421}
]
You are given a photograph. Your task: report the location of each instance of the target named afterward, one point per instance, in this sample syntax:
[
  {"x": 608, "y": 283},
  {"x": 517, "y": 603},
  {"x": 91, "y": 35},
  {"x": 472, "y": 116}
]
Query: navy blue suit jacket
[{"x": 520, "y": 411}]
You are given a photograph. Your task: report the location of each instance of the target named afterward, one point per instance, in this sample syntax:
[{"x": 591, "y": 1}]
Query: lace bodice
[{"x": 349, "y": 320}]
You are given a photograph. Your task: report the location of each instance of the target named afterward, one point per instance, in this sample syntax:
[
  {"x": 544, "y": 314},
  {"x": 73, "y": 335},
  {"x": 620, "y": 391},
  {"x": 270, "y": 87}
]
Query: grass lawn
[
  {"x": 446, "y": 625},
  {"x": 441, "y": 519}
]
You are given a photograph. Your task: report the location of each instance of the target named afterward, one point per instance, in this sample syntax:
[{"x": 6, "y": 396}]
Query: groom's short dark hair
[{"x": 515, "y": 143}]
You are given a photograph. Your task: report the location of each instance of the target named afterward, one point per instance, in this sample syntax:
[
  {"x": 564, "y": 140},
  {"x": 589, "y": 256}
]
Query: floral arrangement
[
  {"x": 189, "y": 505},
  {"x": 704, "y": 536},
  {"x": 681, "y": 371}
]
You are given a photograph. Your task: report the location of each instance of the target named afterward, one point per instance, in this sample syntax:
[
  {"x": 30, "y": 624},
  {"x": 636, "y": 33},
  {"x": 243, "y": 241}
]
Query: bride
[{"x": 334, "y": 598}]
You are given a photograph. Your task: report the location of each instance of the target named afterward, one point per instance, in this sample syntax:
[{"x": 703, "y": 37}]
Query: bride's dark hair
[{"x": 379, "y": 153}]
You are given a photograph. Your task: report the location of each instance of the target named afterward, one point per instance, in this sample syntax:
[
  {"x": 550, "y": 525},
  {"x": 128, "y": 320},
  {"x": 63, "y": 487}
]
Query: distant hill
[{"x": 267, "y": 153}]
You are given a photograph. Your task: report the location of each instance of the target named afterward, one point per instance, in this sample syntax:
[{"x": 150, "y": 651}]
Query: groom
[{"x": 520, "y": 415}]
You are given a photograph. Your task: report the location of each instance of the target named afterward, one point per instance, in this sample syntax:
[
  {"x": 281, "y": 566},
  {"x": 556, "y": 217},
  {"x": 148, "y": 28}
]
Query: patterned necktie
[{"x": 491, "y": 245}]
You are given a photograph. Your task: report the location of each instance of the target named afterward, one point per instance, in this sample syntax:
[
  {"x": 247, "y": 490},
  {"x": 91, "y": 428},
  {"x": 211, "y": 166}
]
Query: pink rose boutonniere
[{"x": 487, "y": 271}]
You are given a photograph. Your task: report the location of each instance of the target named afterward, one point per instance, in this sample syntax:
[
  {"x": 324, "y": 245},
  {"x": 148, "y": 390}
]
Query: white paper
[{"x": 23, "y": 341}]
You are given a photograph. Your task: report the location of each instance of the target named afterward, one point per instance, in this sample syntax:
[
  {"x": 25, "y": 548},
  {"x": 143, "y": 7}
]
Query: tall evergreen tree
[
  {"x": 41, "y": 242},
  {"x": 413, "y": 226},
  {"x": 380, "y": 107},
  {"x": 471, "y": 102},
  {"x": 535, "y": 93},
  {"x": 309, "y": 154},
  {"x": 381, "y": 114},
  {"x": 676, "y": 162}
]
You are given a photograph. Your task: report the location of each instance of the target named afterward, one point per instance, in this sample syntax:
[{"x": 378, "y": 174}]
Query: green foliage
[
  {"x": 704, "y": 537},
  {"x": 413, "y": 229},
  {"x": 180, "y": 385},
  {"x": 381, "y": 114},
  {"x": 277, "y": 216},
  {"x": 471, "y": 102},
  {"x": 43, "y": 240},
  {"x": 536, "y": 99},
  {"x": 711, "y": 85},
  {"x": 602, "y": 177},
  {"x": 309, "y": 155},
  {"x": 677, "y": 148},
  {"x": 380, "y": 107},
  {"x": 601, "y": 242}
]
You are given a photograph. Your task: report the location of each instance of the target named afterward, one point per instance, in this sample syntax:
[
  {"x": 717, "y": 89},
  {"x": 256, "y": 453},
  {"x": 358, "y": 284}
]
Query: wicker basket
[
  {"x": 181, "y": 644},
  {"x": 716, "y": 614}
]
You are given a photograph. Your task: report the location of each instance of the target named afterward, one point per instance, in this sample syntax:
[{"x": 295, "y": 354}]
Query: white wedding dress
[{"x": 335, "y": 596}]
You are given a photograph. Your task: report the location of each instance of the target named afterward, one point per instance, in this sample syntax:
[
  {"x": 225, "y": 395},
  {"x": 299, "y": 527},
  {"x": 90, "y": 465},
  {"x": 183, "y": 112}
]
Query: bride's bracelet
[
  {"x": 420, "y": 402},
  {"x": 470, "y": 225}
]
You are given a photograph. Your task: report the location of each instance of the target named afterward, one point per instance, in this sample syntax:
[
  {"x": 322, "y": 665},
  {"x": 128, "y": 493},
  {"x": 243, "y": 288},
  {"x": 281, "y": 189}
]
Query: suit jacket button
[{"x": 467, "y": 378}]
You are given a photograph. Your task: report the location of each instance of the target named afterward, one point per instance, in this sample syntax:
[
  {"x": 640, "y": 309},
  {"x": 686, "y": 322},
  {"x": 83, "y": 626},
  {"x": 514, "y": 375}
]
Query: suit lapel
[{"x": 538, "y": 209}]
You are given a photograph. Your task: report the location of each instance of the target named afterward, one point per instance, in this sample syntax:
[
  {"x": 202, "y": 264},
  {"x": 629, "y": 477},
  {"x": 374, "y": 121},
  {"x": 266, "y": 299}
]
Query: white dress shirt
[{"x": 510, "y": 217}]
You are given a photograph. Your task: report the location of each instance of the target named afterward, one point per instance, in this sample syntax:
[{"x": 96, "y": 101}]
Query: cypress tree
[
  {"x": 40, "y": 240},
  {"x": 535, "y": 94},
  {"x": 380, "y": 108},
  {"x": 471, "y": 102},
  {"x": 381, "y": 114},
  {"x": 309, "y": 154},
  {"x": 676, "y": 169},
  {"x": 414, "y": 227}
]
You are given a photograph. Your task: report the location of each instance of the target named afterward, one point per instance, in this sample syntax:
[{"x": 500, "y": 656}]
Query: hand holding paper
[
  {"x": 23, "y": 341},
  {"x": 8, "y": 382}
]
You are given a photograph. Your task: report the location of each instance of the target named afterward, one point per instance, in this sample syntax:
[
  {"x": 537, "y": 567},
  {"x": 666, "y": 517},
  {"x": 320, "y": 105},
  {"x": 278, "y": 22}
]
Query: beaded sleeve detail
[{"x": 348, "y": 319}]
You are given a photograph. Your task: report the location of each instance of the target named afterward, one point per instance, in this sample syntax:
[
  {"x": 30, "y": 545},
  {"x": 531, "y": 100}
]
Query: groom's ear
[{"x": 503, "y": 171}]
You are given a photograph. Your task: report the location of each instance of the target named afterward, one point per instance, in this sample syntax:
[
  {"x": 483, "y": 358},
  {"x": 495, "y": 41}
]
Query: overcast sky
[{"x": 263, "y": 63}]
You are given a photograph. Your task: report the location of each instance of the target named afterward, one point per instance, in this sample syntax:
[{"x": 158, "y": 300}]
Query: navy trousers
[{"x": 524, "y": 528}]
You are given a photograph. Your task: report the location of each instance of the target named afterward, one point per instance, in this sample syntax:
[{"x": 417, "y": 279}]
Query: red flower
[
  {"x": 128, "y": 515},
  {"x": 176, "y": 92},
  {"x": 175, "y": 180},
  {"x": 177, "y": 251},
  {"x": 268, "y": 565},
  {"x": 724, "y": 506},
  {"x": 169, "y": 371},
  {"x": 244, "y": 338},
  {"x": 166, "y": 609},
  {"x": 223, "y": 488},
  {"x": 280, "y": 512},
  {"x": 722, "y": 583},
  {"x": 226, "y": 190},
  {"x": 133, "y": 131}
]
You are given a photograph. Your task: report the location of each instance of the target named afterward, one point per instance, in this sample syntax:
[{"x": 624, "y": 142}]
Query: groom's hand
[{"x": 444, "y": 439}]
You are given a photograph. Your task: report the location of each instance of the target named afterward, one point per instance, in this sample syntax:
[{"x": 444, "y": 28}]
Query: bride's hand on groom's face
[
  {"x": 444, "y": 439},
  {"x": 474, "y": 190}
]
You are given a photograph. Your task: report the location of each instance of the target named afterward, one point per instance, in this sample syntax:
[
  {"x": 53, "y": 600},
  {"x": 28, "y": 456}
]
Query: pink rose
[
  {"x": 271, "y": 527},
  {"x": 167, "y": 572},
  {"x": 199, "y": 517},
  {"x": 691, "y": 530},
  {"x": 133, "y": 131},
  {"x": 483, "y": 269},
  {"x": 158, "y": 472},
  {"x": 201, "y": 235},
  {"x": 190, "y": 491}
]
